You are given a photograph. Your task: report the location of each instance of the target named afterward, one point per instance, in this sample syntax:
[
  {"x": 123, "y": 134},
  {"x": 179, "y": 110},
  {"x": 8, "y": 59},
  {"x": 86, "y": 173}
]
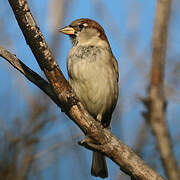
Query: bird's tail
[{"x": 99, "y": 167}]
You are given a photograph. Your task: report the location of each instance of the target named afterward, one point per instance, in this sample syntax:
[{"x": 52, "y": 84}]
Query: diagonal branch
[
  {"x": 105, "y": 141},
  {"x": 156, "y": 102},
  {"x": 28, "y": 73},
  {"x": 117, "y": 151}
]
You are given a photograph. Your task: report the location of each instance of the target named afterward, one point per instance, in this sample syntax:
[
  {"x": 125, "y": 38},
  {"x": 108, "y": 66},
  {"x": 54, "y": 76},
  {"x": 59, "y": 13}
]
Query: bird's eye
[{"x": 81, "y": 26}]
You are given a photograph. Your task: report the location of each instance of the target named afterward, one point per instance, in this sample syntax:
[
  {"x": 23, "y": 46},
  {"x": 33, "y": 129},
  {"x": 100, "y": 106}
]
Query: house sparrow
[{"x": 93, "y": 75}]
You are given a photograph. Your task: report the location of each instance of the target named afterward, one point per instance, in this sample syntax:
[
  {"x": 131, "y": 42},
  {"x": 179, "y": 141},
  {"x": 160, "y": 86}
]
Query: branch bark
[
  {"x": 104, "y": 141},
  {"x": 119, "y": 152},
  {"x": 156, "y": 102},
  {"x": 29, "y": 74}
]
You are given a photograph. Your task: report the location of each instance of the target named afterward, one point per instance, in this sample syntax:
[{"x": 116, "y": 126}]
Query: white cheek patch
[{"x": 85, "y": 25}]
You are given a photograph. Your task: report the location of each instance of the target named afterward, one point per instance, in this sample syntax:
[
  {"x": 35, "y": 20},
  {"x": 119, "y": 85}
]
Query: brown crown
[{"x": 91, "y": 24}]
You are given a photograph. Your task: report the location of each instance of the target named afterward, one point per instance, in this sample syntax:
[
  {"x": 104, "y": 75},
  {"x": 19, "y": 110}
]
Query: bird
[{"x": 93, "y": 75}]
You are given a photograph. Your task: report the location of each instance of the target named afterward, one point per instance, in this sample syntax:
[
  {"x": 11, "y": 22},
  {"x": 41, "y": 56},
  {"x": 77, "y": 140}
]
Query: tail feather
[{"x": 99, "y": 167}]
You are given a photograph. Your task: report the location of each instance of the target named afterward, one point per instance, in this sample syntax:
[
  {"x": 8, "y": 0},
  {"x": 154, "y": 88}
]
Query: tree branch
[
  {"x": 105, "y": 141},
  {"x": 28, "y": 73},
  {"x": 156, "y": 102}
]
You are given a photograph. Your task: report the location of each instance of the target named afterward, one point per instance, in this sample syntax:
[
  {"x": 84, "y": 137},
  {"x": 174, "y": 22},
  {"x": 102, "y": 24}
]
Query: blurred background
[{"x": 37, "y": 140}]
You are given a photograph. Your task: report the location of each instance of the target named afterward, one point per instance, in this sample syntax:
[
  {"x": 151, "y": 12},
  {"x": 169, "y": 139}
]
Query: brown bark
[
  {"x": 156, "y": 102},
  {"x": 104, "y": 141},
  {"x": 128, "y": 161},
  {"x": 29, "y": 74}
]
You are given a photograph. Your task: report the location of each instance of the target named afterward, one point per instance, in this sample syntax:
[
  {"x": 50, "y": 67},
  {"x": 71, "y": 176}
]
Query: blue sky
[{"x": 128, "y": 25}]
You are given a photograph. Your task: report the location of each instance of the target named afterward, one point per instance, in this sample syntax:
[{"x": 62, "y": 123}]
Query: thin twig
[{"x": 28, "y": 73}]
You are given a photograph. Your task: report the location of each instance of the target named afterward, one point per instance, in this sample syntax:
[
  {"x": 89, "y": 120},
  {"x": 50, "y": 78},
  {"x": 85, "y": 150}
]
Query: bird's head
[{"x": 85, "y": 32}]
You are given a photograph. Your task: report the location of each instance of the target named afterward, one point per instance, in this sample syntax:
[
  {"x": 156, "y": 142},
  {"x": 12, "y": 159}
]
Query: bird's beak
[{"x": 67, "y": 30}]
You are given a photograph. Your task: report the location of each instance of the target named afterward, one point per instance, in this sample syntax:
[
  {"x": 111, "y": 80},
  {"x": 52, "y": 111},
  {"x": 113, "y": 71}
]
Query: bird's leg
[{"x": 99, "y": 117}]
